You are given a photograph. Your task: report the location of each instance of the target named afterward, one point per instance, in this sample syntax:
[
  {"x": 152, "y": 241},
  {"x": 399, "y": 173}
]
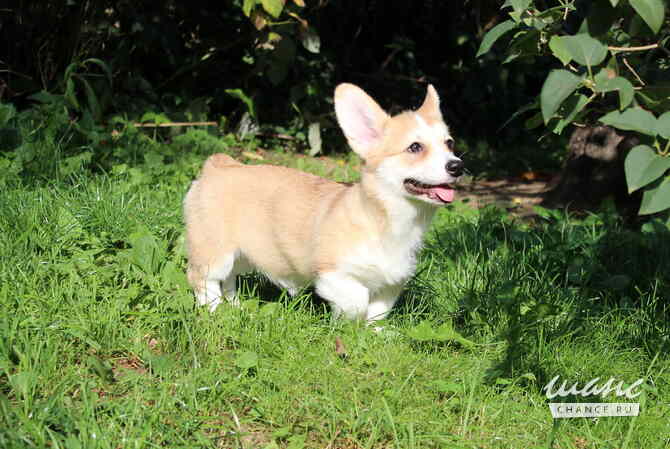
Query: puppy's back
[{"x": 267, "y": 213}]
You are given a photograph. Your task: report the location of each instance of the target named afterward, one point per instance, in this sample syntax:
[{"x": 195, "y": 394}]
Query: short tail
[{"x": 218, "y": 161}]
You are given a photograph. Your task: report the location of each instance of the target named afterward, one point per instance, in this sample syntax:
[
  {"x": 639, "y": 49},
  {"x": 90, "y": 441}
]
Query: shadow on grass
[
  {"x": 545, "y": 286},
  {"x": 256, "y": 285}
]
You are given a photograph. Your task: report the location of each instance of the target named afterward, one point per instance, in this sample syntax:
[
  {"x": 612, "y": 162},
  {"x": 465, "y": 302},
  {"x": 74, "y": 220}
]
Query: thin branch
[
  {"x": 388, "y": 59},
  {"x": 12, "y": 72},
  {"x": 641, "y": 48},
  {"x": 277, "y": 136},
  {"x": 625, "y": 61},
  {"x": 173, "y": 124}
]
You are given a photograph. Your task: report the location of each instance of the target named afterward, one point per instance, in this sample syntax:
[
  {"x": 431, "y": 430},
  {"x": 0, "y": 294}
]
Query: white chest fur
[{"x": 385, "y": 260}]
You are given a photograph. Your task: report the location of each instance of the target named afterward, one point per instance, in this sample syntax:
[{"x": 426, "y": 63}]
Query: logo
[{"x": 593, "y": 409}]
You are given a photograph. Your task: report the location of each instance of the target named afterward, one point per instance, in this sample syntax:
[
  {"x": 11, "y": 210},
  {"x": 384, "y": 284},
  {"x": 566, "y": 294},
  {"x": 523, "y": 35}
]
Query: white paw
[{"x": 210, "y": 302}]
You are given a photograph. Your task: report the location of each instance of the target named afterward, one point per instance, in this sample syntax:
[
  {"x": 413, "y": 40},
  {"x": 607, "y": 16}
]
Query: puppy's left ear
[
  {"x": 360, "y": 117},
  {"x": 430, "y": 109}
]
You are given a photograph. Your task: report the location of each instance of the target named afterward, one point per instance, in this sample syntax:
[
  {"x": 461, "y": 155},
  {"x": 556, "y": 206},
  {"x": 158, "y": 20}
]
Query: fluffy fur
[{"x": 357, "y": 243}]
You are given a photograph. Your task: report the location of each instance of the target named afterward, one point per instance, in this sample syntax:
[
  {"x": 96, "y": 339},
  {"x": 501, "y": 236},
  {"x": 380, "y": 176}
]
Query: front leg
[
  {"x": 382, "y": 302},
  {"x": 346, "y": 295}
]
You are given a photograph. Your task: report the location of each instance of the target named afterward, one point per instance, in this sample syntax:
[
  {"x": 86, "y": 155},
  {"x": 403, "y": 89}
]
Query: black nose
[{"x": 455, "y": 167}]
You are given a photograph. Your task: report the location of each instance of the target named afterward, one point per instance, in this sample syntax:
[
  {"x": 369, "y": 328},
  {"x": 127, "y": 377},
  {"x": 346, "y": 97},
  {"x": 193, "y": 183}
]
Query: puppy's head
[{"x": 411, "y": 153}]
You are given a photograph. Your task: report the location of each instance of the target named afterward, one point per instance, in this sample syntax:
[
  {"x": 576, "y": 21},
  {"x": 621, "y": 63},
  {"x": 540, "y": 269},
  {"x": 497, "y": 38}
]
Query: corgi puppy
[{"x": 356, "y": 243}]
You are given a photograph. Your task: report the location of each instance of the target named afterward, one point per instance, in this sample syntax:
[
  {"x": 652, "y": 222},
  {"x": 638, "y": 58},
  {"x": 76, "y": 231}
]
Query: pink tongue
[{"x": 444, "y": 194}]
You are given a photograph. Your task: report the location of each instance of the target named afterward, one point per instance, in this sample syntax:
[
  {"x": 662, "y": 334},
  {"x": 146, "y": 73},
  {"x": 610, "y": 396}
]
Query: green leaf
[
  {"x": 92, "y": 98},
  {"x": 421, "y": 332},
  {"x": 425, "y": 332},
  {"x": 146, "y": 252},
  {"x": 153, "y": 117},
  {"x": 239, "y": 94},
  {"x": 100, "y": 63},
  {"x": 273, "y": 7},
  {"x": 663, "y": 125},
  {"x": 605, "y": 83},
  {"x": 45, "y": 97},
  {"x": 69, "y": 70},
  {"x": 557, "y": 87},
  {"x": 493, "y": 35},
  {"x": 574, "y": 107},
  {"x": 70, "y": 94},
  {"x": 247, "y": 360},
  {"x": 651, "y": 11},
  {"x": 520, "y": 5},
  {"x": 69, "y": 228},
  {"x": 657, "y": 199},
  {"x": 569, "y": 110},
  {"x": 173, "y": 275},
  {"x": 7, "y": 112},
  {"x": 643, "y": 166},
  {"x": 310, "y": 40},
  {"x": 584, "y": 49},
  {"x": 72, "y": 164},
  {"x": 447, "y": 333},
  {"x": 560, "y": 49},
  {"x": 656, "y": 227},
  {"x": 632, "y": 119},
  {"x": 247, "y": 6}
]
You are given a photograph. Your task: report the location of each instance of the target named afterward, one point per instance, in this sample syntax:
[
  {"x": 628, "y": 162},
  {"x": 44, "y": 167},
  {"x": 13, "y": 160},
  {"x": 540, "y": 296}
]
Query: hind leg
[
  {"x": 214, "y": 281},
  {"x": 381, "y": 303}
]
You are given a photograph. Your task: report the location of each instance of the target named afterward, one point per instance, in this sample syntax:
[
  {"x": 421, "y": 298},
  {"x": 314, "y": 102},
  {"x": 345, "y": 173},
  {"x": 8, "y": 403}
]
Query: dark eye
[
  {"x": 415, "y": 147},
  {"x": 450, "y": 144}
]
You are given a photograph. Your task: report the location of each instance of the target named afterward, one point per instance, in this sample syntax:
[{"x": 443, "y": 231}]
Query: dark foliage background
[{"x": 180, "y": 58}]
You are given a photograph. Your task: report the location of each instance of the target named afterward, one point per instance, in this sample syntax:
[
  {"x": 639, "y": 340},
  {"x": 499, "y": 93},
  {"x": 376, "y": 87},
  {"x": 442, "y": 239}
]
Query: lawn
[{"x": 102, "y": 346}]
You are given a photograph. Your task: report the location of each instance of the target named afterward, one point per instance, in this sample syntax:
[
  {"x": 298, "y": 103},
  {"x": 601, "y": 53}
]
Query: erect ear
[
  {"x": 430, "y": 109},
  {"x": 360, "y": 117}
]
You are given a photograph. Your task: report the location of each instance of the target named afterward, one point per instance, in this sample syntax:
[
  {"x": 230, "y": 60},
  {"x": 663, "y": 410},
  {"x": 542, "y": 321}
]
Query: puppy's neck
[{"x": 392, "y": 210}]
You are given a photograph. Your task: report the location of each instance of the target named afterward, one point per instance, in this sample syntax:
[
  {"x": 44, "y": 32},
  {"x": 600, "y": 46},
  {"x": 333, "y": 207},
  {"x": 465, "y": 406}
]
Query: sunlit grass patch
[{"x": 102, "y": 345}]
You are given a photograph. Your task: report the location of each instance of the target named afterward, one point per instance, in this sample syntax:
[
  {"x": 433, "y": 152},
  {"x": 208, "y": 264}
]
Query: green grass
[{"x": 101, "y": 344}]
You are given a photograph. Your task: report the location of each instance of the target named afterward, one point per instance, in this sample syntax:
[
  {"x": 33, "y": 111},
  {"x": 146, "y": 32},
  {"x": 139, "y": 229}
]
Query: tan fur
[
  {"x": 284, "y": 221},
  {"x": 296, "y": 227}
]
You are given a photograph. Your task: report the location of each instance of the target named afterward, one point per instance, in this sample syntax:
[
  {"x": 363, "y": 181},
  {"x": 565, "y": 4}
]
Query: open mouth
[{"x": 440, "y": 193}]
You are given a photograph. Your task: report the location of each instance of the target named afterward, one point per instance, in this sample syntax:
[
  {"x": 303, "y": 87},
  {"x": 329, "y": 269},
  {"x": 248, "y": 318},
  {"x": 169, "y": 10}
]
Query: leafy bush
[
  {"x": 273, "y": 64},
  {"x": 614, "y": 57}
]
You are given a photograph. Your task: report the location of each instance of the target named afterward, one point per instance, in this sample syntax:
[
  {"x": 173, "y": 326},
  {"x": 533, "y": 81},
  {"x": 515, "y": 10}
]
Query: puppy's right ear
[{"x": 360, "y": 117}]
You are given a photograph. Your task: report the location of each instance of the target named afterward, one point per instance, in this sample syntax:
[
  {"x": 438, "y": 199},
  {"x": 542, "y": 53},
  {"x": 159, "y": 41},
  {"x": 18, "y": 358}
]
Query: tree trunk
[{"x": 594, "y": 170}]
